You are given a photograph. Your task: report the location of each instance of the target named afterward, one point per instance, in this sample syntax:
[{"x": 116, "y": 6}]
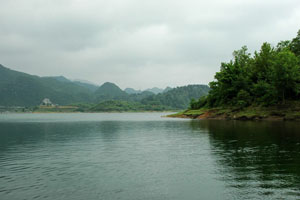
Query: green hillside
[
  {"x": 140, "y": 96},
  {"x": 132, "y": 91},
  {"x": 110, "y": 91},
  {"x": 21, "y": 89},
  {"x": 179, "y": 97},
  {"x": 175, "y": 99},
  {"x": 88, "y": 86}
]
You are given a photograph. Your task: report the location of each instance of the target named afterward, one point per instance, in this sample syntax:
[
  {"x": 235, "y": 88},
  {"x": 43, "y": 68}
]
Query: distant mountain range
[
  {"x": 21, "y": 89},
  {"x": 132, "y": 91},
  {"x": 154, "y": 90}
]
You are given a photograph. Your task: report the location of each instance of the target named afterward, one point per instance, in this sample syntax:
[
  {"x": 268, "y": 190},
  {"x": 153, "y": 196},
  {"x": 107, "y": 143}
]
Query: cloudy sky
[{"x": 138, "y": 43}]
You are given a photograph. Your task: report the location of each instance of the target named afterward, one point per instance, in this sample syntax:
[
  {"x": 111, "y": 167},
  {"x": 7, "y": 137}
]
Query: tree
[
  {"x": 271, "y": 76},
  {"x": 286, "y": 73},
  {"x": 233, "y": 77},
  {"x": 283, "y": 45},
  {"x": 295, "y": 45},
  {"x": 243, "y": 98},
  {"x": 262, "y": 63}
]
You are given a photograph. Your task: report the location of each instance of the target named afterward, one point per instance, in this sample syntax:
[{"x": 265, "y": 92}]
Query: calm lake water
[{"x": 143, "y": 156}]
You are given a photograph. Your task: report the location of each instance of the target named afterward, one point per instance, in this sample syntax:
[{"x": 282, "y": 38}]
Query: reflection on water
[
  {"x": 256, "y": 158},
  {"x": 143, "y": 156}
]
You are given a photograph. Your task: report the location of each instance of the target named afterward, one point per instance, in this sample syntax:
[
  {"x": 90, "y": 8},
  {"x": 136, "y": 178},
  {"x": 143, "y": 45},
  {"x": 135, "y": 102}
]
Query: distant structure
[{"x": 47, "y": 102}]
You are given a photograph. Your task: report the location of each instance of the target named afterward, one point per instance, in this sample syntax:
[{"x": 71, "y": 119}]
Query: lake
[{"x": 131, "y": 156}]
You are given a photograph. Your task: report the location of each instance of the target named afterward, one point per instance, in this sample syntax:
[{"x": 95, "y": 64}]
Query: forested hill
[
  {"x": 174, "y": 99},
  {"x": 179, "y": 97},
  {"x": 21, "y": 89},
  {"x": 110, "y": 91},
  {"x": 270, "y": 77}
]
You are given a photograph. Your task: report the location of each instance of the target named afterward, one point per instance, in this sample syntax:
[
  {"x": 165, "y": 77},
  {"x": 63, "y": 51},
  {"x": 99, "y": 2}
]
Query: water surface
[{"x": 143, "y": 156}]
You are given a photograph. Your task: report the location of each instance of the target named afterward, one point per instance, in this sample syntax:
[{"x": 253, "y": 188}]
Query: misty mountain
[
  {"x": 179, "y": 97},
  {"x": 59, "y": 78},
  {"x": 132, "y": 91},
  {"x": 140, "y": 96},
  {"x": 86, "y": 84},
  {"x": 110, "y": 91},
  {"x": 167, "y": 89},
  {"x": 21, "y": 89},
  {"x": 155, "y": 90}
]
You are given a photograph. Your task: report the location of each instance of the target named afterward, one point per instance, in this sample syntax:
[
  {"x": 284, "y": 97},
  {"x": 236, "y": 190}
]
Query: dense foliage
[{"x": 271, "y": 76}]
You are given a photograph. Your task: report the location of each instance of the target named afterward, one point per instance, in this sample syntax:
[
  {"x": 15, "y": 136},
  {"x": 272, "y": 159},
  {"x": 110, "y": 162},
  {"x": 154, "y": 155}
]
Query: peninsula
[{"x": 262, "y": 86}]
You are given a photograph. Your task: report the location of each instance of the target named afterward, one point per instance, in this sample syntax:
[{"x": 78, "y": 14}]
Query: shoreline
[
  {"x": 246, "y": 114},
  {"x": 87, "y": 112}
]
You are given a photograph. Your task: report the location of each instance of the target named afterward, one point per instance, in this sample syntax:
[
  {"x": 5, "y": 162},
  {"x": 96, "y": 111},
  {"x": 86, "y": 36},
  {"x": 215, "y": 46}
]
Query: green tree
[
  {"x": 233, "y": 77},
  {"x": 264, "y": 93},
  {"x": 271, "y": 76},
  {"x": 286, "y": 74},
  {"x": 262, "y": 63},
  {"x": 243, "y": 98},
  {"x": 295, "y": 45},
  {"x": 283, "y": 45}
]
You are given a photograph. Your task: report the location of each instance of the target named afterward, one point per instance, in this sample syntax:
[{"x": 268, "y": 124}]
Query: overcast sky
[{"x": 138, "y": 43}]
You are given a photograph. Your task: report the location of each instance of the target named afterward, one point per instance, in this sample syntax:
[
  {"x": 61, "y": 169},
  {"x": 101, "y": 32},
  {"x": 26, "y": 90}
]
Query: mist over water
[{"x": 143, "y": 156}]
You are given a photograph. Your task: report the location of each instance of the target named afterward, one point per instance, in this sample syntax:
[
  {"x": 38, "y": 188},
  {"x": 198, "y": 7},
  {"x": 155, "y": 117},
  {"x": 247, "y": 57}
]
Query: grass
[
  {"x": 194, "y": 112},
  {"x": 179, "y": 114}
]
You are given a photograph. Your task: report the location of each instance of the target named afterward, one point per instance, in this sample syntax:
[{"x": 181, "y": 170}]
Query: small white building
[{"x": 47, "y": 102}]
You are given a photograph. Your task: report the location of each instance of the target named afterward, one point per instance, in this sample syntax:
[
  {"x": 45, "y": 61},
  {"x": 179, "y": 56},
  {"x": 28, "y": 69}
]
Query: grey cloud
[{"x": 138, "y": 43}]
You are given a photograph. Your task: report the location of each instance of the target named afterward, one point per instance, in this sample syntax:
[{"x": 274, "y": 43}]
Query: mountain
[
  {"x": 21, "y": 89},
  {"x": 167, "y": 89},
  {"x": 86, "y": 85},
  {"x": 84, "y": 81},
  {"x": 179, "y": 97},
  {"x": 110, "y": 91},
  {"x": 59, "y": 78},
  {"x": 155, "y": 90},
  {"x": 132, "y": 91},
  {"x": 140, "y": 96}
]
